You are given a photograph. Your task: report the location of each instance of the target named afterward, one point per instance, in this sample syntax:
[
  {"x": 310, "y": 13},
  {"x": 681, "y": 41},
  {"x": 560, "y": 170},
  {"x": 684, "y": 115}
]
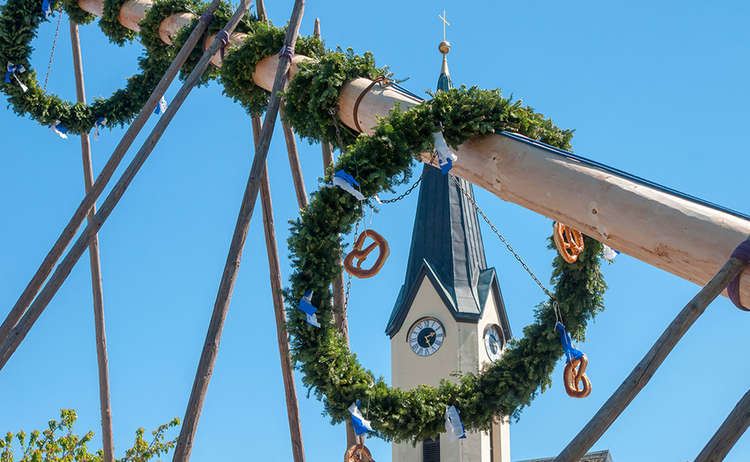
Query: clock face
[
  {"x": 426, "y": 336},
  {"x": 493, "y": 342}
]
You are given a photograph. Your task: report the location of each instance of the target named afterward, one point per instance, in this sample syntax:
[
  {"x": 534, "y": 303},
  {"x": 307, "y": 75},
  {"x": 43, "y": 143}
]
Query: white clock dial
[
  {"x": 426, "y": 336},
  {"x": 493, "y": 342}
]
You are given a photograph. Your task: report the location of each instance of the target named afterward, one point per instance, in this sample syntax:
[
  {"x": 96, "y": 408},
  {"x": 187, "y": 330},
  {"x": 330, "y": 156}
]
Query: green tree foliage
[{"x": 58, "y": 443}]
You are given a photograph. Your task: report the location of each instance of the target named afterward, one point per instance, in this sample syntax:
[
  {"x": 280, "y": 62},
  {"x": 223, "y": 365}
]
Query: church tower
[{"x": 449, "y": 315}]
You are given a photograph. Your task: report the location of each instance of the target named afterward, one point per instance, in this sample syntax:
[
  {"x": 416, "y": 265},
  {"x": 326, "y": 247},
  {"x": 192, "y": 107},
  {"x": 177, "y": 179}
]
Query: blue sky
[{"x": 658, "y": 90}]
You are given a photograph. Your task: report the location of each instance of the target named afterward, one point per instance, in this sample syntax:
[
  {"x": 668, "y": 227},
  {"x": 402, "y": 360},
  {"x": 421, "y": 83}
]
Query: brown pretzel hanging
[
  {"x": 577, "y": 383},
  {"x": 568, "y": 241},
  {"x": 358, "y": 453},
  {"x": 361, "y": 255}
]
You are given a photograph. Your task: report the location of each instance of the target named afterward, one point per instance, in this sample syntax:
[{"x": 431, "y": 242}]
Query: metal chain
[
  {"x": 510, "y": 248},
  {"x": 52, "y": 53},
  {"x": 332, "y": 111},
  {"x": 349, "y": 275},
  {"x": 411, "y": 188}
]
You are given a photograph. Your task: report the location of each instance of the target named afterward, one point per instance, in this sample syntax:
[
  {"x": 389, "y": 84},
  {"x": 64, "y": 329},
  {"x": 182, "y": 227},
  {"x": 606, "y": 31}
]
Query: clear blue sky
[{"x": 659, "y": 90}]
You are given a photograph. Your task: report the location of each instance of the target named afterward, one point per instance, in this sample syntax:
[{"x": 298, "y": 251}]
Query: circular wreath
[
  {"x": 382, "y": 161},
  {"x": 333, "y": 373}
]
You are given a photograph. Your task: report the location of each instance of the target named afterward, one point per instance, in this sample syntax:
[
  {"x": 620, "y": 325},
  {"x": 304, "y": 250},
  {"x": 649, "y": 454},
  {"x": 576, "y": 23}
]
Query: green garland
[
  {"x": 381, "y": 161},
  {"x": 110, "y": 25},
  {"x": 333, "y": 373},
  {"x": 76, "y": 13},
  {"x": 220, "y": 17},
  {"x": 312, "y": 96},
  {"x": 161, "y": 9},
  {"x": 238, "y": 66}
]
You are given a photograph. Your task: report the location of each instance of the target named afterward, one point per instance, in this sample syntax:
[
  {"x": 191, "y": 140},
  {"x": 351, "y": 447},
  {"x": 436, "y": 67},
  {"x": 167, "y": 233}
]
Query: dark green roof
[{"x": 447, "y": 248}]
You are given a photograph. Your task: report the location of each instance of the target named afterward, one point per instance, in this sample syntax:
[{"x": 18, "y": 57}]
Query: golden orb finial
[{"x": 445, "y": 45}]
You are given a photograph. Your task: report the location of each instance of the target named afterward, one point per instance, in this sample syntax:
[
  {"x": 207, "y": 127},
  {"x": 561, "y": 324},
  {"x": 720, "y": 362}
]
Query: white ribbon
[
  {"x": 609, "y": 253},
  {"x": 346, "y": 182},
  {"x": 161, "y": 107},
  {"x": 100, "y": 122},
  {"x": 453, "y": 425},
  {"x": 446, "y": 157},
  {"x": 360, "y": 424},
  {"x": 59, "y": 130},
  {"x": 11, "y": 70},
  {"x": 307, "y": 307}
]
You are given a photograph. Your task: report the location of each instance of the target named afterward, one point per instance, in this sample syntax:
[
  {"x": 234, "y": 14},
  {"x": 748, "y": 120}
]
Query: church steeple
[
  {"x": 449, "y": 315},
  {"x": 446, "y": 243}
]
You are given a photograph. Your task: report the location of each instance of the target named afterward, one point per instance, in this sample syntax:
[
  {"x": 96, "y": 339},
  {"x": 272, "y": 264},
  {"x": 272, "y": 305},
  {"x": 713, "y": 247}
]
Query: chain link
[
  {"x": 349, "y": 275},
  {"x": 332, "y": 111},
  {"x": 507, "y": 244},
  {"x": 52, "y": 53},
  {"x": 411, "y": 188}
]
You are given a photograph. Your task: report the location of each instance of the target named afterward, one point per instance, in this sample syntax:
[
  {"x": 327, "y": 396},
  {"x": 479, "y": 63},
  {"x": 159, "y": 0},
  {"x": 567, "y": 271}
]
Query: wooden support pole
[
  {"x": 643, "y": 372},
  {"x": 727, "y": 435},
  {"x": 94, "y": 263},
  {"x": 339, "y": 294},
  {"x": 290, "y": 389},
  {"x": 291, "y": 142},
  {"x": 223, "y": 297},
  {"x": 274, "y": 269},
  {"x": 294, "y": 164},
  {"x": 66, "y": 265},
  {"x": 89, "y": 200}
]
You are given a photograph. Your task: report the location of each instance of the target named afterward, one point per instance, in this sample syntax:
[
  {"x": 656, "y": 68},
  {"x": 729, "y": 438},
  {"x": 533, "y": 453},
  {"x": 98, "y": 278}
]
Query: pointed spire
[{"x": 446, "y": 241}]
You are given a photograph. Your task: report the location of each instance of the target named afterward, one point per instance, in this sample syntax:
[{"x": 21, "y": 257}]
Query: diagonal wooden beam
[
  {"x": 62, "y": 271},
  {"x": 727, "y": 435},
  {"x": 94, "y": 263},
  {"x": 68, "y": 233},
  {"x": 294, "y": 164},
  {"x": 229, "y": 276},
  {"x": 274, "y": 269},
  {"x": 643, "y": 372}
]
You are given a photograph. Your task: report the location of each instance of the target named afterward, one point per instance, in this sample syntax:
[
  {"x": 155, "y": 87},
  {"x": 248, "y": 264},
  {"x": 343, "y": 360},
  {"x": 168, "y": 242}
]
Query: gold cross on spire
[{"x": 445, "y": 23}]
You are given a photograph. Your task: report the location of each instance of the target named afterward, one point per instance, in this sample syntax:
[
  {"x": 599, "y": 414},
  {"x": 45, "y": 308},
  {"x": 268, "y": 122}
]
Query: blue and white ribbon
[
  {"x": 453, "y": 425},
  {"x": 100, "y": 122},
  {"x": 446, "y": 157},
  {"x": 309, "y": 309},
  {"x": 360, "y": 424},
  {"x": 570, "y": 352},
  {"x": 161, "y": 107},
  {"x": 11, "y": 70},
  {"x": 46, "y": 8},
  {"x": 609, "y": 253},
  {"x": 59, "y": 129},
  {"x": 346, "y": 182}
]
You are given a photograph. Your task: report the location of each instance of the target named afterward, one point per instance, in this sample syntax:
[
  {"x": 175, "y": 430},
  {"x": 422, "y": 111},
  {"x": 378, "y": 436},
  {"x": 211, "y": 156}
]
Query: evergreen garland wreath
[
  {"x": 111, "y": 27},
  {"x": 333, "y": 373},
  {"x": 382, "y": 161},
  {"x": 76, "y": 13}
]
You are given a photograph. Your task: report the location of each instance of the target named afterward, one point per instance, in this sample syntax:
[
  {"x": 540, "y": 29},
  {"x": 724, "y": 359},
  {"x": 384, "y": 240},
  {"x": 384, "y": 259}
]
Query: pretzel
[
  {"x": 575, "y": 372},
  {"x": 358, "y": 453},
  {"x": 361, "y": 255},
  {"x": 568, "y": 241}
]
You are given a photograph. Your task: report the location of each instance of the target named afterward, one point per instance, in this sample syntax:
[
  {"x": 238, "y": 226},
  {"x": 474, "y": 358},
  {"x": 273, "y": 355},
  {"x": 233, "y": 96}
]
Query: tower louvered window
[{"x": 431, "y": 450}]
